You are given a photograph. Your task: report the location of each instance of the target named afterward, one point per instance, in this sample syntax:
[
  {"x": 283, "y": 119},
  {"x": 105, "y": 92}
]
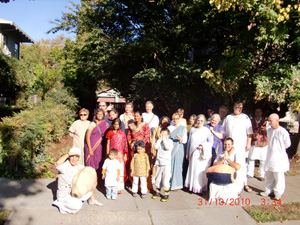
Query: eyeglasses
[
  {"x": 83, "y": 114},
  {"x": 176, "y": 119}
]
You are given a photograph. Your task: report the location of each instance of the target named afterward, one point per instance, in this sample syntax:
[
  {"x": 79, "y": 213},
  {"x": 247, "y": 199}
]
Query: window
[
  {"x": 5, "y": 40},
  {"x": 17, "y": 50}
]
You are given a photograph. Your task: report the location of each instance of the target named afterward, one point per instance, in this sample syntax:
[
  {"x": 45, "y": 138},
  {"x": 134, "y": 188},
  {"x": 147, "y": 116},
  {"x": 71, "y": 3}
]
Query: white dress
[
  {"x": 278, "y": 141},
  {"x": 199, "y": 160}
]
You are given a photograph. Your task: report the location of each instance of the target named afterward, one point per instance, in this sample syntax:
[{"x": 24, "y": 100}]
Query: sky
[{"x": 33, "y": 16}]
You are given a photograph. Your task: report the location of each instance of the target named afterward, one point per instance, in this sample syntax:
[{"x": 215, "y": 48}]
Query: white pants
[
  {"x": 251, "y": 168},
  {"x": 135, "y": 184},
  {"x": 275, "y": 181},
  {"x": 162, "y": 177},
  {"x": 70, "y": 204}
]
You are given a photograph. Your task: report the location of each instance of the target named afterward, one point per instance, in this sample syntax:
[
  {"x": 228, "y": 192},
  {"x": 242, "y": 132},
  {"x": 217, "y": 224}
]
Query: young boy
[
  {"x": 164, "y": 146},
  {"x": 140, "y": 168},
  {"x": 111, "y": 173}
]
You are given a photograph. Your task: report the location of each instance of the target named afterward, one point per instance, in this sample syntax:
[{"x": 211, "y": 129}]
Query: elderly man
[
  {"x": 149, "y": 117},
  {"x": 238, "y": 126},
  {"x": 277, "y": 161},
  {"x": 68, "y": 167}
]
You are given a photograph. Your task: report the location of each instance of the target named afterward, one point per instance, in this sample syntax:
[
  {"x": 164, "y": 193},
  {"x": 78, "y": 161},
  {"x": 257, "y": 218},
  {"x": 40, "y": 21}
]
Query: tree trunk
[{"x": 298, "y": 140}]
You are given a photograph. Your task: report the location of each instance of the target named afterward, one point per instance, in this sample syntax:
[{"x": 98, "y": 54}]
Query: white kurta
[
  {"x": 79, "y": 128},
  {"x": 65, "y": 202},
  {"x": 151, "y": 119},
  {"x": 228, "y": 191},
  {"x": 199, "y": 160},
  {"x": 278, "y": 141},
  {"x": 238, "y": 128}
]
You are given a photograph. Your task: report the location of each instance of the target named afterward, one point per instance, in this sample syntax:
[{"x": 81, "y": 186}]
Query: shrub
[{"x": 26, "y": 134}]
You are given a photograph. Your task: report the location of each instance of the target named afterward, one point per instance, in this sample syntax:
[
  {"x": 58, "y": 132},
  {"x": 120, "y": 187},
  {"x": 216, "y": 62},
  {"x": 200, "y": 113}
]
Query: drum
[{"x": 221, "y": 174}]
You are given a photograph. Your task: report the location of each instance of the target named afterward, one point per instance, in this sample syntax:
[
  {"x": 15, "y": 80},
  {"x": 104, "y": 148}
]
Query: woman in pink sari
[
  {"x": 116, "y": 139},
  {"x": 94, "y": 139}
]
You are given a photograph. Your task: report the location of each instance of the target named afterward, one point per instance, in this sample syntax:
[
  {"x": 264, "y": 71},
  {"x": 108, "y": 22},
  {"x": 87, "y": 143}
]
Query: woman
[
  {"x": 78, "y": 130},
  {"x": 113, "y": 114},
  {"x": 191, "y": 123},
  {"x": 199, "y": 156},
  {"x": 231, "y": 158},
  {"x": 164, "y": 122},
  {"x": 139, "y": 131},
  {"x": 94, "y": 140},
  {"x": 218, "y": 134},
  {"x": 179, "y": 137},
  {"x": 116, "y": 139}
]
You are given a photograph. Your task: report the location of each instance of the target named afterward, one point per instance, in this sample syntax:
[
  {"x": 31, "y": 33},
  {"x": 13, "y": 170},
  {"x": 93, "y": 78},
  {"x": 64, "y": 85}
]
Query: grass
[
  {"x": 3, "y": 216},
  {"x": 269, "y": 213}
]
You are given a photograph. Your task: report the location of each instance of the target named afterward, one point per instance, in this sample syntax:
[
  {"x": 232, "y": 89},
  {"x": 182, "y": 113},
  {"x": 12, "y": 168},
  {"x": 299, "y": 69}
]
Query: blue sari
[{"x": 178, "y": 155}]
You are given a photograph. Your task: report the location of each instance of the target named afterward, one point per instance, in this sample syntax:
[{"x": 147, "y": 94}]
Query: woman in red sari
[
  {"x": 116, "y": 139},
  {"x": 139, "y": 130},
  {"x": 94, "y": 139}
]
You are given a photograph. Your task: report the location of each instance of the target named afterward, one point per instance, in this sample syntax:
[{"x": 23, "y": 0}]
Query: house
[
  {"x": 111, "y": 96},
  {"x": 10, "y": 38}
]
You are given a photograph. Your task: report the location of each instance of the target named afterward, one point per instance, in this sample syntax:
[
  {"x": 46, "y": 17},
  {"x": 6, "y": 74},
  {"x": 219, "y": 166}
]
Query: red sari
[
  {"x": 118, "y": 141},
  {"x": 141, "y": 133}
]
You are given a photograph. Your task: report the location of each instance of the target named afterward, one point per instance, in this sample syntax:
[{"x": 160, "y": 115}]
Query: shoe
[
  {"x": 63, "y": 212},
  {"x": 143, "y": 196},
  {"x": 108, "y": 197},
  {"x": 119, "y": 192},
  {"x": 113, "y": 198},
  {"x": 95, "y": 202},
  {"x": 265, "y": 194},
  {"x": 247, "y": 188},
  {"x": 165, "y": 198},
  {"x": 261, "y": 178},
  {"x": 277, "y": 196},
  {"x": 134, "y": 194},
  {"x": 155, "y": 196}
]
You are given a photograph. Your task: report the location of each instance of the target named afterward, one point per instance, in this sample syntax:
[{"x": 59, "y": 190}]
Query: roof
[
  {"x": 11, "y": 27},
  {"x": 111, "y": 100}
]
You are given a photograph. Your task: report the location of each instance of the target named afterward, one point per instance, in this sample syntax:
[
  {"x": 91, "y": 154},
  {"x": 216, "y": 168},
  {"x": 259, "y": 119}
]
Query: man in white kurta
[
  {"x": 277, "y": 161},
  {"x": 149, "y": 117},
  {"x": 238, "y": 126}
]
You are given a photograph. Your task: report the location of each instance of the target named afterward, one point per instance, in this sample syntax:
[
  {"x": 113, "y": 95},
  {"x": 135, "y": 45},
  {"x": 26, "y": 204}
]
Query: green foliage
[
  {"x": 4, "y": 214},
  {"x": 26, "y": 134}
]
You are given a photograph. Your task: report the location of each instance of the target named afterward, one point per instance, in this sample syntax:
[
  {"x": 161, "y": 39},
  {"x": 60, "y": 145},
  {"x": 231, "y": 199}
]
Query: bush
[{"x": 26, "y": 134}]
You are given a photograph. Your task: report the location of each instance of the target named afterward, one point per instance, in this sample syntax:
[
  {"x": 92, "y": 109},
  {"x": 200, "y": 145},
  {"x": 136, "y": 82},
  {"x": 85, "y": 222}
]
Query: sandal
[{"x": 247, "y": 188}]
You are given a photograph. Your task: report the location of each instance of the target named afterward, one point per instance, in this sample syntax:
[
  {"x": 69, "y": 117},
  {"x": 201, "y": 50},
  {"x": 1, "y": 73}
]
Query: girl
[{"x": 116, "y": 139}]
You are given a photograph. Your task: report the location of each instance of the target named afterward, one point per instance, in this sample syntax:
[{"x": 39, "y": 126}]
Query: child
[
  {"x": 140, "y": 168},
  {"x": 164, "y": 146},
  {"x": 116, "y": 139},
  {"x": 111, "y": 172}
]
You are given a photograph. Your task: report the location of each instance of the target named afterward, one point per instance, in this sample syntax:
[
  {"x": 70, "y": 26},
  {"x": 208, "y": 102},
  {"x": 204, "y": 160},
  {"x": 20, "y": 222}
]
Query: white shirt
[
  {"x": 164, "y": 150},
  {"x": 111, "y": 173},
  {"x": 238, "y": 128},
  {"x": 278, "y": 141},
  {"x": 153, "y": 123}
]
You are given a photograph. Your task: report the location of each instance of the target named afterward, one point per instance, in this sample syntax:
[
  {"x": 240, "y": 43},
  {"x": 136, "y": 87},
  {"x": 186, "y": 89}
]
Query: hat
[
  {"x": 140, "y": 143},
  {"x": 75, "y": 151}
]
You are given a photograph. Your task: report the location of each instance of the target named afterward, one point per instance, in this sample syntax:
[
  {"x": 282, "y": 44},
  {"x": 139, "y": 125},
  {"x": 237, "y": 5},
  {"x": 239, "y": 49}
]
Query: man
[
  {"x": 223, "y": 113},
  {"x": 277, "y": 161},
  {"x": 149, "y": 117},
  {"x": 106, "y": 109},
  {"x": 68, "y": 167},
  {"x": 238, "y": 126},
  {"x": 258, "y": 145}
]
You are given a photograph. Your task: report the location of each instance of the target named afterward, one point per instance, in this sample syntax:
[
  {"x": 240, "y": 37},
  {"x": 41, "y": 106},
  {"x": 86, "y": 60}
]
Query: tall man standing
[
  {"x": 149, "y": 117},
  {"x": 277, "y": 161},
  {"x": 238, "y": 126}
]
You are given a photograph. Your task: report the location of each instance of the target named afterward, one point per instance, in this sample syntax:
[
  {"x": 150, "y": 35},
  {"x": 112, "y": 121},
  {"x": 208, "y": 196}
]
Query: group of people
[{"x": 164, "y": 154}]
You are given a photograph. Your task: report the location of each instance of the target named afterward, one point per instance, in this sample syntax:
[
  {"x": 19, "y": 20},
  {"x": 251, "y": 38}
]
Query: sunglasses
[{"x": 83, "y": 114}]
